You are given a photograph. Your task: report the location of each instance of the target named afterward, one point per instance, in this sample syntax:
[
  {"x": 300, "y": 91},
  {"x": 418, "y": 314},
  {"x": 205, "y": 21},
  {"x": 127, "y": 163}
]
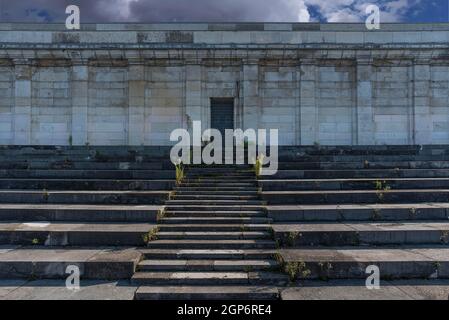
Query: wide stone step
[
  {"x": 74, "y": 234},
  {"x": 361, "y": 212},
  {"x": 80, "y": 213},
  {"x": 367, "y": 173},
  {"x": 86, "y": 184},
  {"x": 85, "y": 164},
  {"x": 351, "y": 263},
  {"x": 207, "y": 265},
  {"x": 365, "y": 164},
  {"x": 358, "y": 233},
  {"x": 212, "y": 244},
  {"x": 354, "y": 184},
  {"x": 83, "y": 197},
  {"x": 394, "y": 290},
  {"x": 209, "y": 278},
  {"x": 213, "y": 235},
  {"x": 206, "y": 212},
  {"x": 217, "y": 188},
  {"x": 214, "y": 197},
  {"x": 356, "y": 196},
  {"x": 185, "y": 202},
  {"x": 218, "y": 181},
  {"x": 192, "y": 207},
  {"x": 213, "y": 227},
  {"x": 219, "y": 185},
  {"x": 207, "y": 293},
  {"x": 50, "y": 263},
  {"x": 189, "y": 221},
  {"x": 208, "y": 254},
  {"x": 218, "y": 193},
  {"x": 89, "y": 174}
]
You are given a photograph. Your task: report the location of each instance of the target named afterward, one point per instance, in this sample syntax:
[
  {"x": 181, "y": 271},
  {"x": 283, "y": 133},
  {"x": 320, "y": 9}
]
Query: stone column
[
  {"x": 136, "y": 116},
  {"x": 22, "y": 105},
  {"x": 365, "y": 112},
  {"x": 422, "y": 117},
  {"x": 251, "y": 98},
  {"x": 80, "y": 103},
  {"x": 308, "y": 107}
]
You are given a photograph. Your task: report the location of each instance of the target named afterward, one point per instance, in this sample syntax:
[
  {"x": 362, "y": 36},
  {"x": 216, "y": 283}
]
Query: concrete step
[
  {"x": 80, "y": 213},
  {"x": 217, "y": 180},
  {"x": 207, "y": 213},
  {"x": 83, "y": 197},
  {"x": 368, "y": 173},
  {"x": 209, "y": 278},
  {"x": 208, "y": 254},
  {"x": 211, "y": 202},
  {"x": 218, "y": 193},
  {"x": 207, "y": 265},
  {"x": 86, "y": 184},
  {"x": 213, "y": 227},
  {"x": 360, "y": 212},
  {"x": 354, "y": 184},
  {"x": 207, "y": 293},
  {"x": 85, "y": 164},
  {"x": 214, "y": 197},
  {"x": 50, "y": 263},
  {"x": 359, "y": 233},
  {"x": 192, "y": 207},
  {"x": 212, "y": 244},
  {"x": 378, "y": 163},
  {"x": 74, "y": 234},
  {"x": 183, "y": 188},
  {"x": 356, "y": 196},
  {"x": 219, "y": 185},
  {"x": 89, "y": 174},
  {"x": 402, "y": 262},
  {"x": 206, "y": 222},
  {"x": 393, "y": 290},
  {"x": 213, "y": 235}
]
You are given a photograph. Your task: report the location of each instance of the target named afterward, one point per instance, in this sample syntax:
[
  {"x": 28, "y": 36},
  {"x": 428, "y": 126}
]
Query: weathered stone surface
[
  {"x": 56, "y": 290},
  {"x": 95, "y": 87}
]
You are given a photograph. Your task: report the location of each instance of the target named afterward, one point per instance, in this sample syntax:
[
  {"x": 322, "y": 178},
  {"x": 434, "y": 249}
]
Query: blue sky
[{"x": 224, "y": 10}]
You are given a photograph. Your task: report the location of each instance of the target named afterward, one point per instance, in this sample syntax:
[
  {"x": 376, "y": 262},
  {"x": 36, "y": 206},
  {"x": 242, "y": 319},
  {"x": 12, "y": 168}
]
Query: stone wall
[{"x": 133, "y": 84}]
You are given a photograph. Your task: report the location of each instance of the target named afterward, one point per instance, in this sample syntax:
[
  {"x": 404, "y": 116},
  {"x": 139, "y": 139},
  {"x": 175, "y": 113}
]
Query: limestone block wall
[
  {"x": 108, "y": 106},
  {"x": 6, "y": 104},
  {"x": 132, "y": 84},
  {"x": 51, "y": 105}
]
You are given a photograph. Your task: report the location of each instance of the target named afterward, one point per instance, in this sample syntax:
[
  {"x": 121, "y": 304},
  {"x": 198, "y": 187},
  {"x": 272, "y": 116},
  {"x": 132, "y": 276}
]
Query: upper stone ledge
[
  {"x": 249, "y": 26},
  {"x": 219, "y": 35}
]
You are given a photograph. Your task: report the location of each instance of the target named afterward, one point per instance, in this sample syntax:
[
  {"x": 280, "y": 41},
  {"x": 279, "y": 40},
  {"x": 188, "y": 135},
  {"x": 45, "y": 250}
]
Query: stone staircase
[
  {"x": 222, "y": 234},
  {"x": 214, "y": 241}
]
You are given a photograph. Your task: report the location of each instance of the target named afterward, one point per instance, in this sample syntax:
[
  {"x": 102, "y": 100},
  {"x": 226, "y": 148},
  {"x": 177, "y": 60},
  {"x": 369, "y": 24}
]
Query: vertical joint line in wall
[
  {"x": 298, "y": 104},
  {"x": 413, "y": 113}
]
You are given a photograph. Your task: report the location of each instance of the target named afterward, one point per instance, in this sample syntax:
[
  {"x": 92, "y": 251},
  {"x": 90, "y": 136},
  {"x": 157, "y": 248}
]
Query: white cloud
[{"x": 212, "y": 10}]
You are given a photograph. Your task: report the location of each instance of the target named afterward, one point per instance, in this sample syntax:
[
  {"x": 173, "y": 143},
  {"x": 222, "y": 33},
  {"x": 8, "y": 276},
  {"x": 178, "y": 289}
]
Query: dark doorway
[{"x": 222, "y": 114}]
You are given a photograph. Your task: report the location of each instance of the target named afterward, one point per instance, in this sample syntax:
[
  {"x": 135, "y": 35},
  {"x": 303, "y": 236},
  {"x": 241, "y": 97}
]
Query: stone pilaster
[
  {"x": 365, "y": 112},
  {"x": 193, "y": 94},
  {"x": 136, "y": 125},
  {"x": 22, "y": 104},
  {"x": 80, "y": 103},
  {"x": 308, "y": 107},
  {"x": 251, "y": 99},
  {"x": 422, "y": 114}
]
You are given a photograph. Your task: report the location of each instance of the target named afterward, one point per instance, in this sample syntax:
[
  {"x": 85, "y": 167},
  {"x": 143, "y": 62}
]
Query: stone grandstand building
[
  {"x": 86, "y": 181},
  {"x": 131, "y": 84}
]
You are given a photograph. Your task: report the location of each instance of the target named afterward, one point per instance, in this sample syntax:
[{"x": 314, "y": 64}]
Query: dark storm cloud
[{"x": 154, "y": 10}]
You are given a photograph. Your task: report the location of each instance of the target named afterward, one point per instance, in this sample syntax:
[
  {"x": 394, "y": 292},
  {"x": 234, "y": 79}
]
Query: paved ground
[{"x": 56, "y": 290}]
